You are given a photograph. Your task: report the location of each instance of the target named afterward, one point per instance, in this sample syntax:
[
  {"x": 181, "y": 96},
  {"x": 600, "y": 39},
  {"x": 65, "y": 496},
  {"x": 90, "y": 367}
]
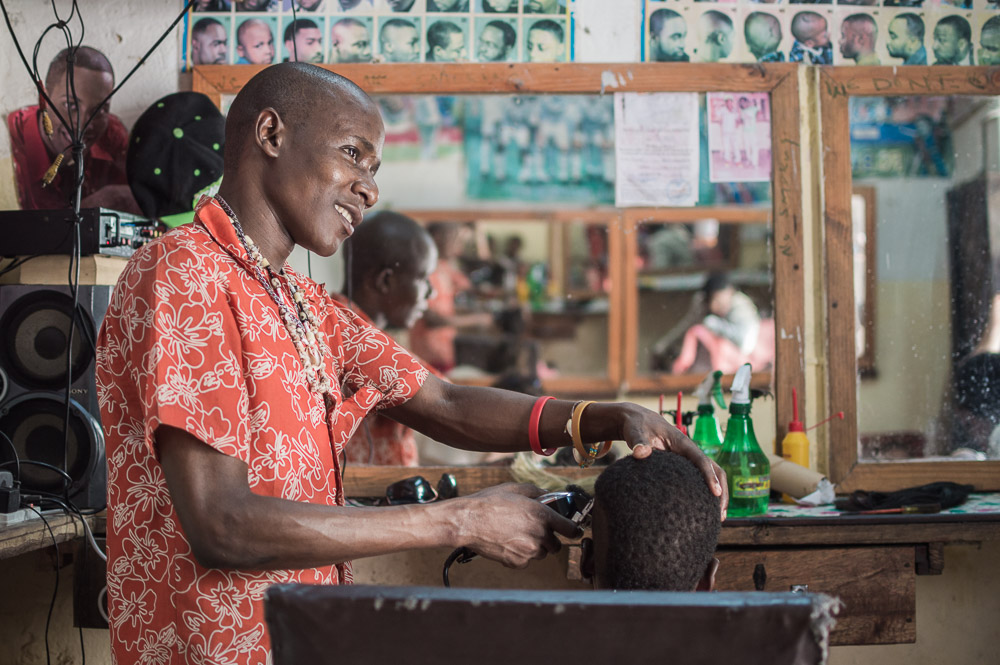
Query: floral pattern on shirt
[{"x": 191, "y": 340}]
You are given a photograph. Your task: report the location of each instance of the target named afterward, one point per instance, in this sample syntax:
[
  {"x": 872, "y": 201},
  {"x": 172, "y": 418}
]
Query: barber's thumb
[{"x": 642, "y": 451}]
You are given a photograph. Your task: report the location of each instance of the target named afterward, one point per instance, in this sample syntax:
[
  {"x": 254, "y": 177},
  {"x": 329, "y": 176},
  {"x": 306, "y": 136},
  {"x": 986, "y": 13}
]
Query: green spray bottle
[
  {"x": 748, "y": 472},
  {"x": 707, "y": 434}
]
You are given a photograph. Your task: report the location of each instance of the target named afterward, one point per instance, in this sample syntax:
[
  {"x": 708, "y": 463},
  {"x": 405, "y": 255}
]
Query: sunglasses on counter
[{"x": 418, "y": 489}]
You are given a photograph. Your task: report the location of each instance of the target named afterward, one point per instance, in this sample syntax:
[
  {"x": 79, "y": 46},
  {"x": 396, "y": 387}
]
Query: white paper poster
[{"x": 656, "y": 149}]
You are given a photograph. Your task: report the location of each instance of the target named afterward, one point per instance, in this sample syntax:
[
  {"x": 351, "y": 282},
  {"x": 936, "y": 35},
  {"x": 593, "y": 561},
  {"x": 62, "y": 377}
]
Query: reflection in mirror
[
  {"x": 705, "y": 297},
  {"x": 530, "y": 302},
  {"x": 931, "y": 166},
  {"x": 863, "y": 229}
]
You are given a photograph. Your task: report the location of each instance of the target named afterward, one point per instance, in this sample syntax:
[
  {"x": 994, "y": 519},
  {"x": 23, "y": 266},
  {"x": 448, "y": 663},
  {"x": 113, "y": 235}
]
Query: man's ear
[
  {"x": 269, "y": 132},
  {"x": 707, "y": 581},
  {"x": 587, "y": 564},
  {"x": 383, "y": 280}
]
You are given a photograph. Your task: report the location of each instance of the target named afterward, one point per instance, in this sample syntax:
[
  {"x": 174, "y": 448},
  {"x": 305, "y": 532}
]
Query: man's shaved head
[
  {"x": 809, "y": 26},
  {"x": 85, "y": 57},
  {"x": 296, "y": 91},
  {"x": 391, "y": 264},
  {"x": 303, "y": 146}
]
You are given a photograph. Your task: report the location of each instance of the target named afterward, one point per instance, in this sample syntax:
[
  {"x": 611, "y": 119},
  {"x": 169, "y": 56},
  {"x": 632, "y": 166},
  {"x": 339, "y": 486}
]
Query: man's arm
[
  {"x": 229, "y": 526},
  {"x": 489, "y": 419}
]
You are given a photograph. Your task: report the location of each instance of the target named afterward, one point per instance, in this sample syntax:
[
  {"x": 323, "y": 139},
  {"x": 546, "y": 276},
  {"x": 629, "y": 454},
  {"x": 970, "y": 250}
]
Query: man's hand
[
  {"x": 506, "y": 524},
  {"x": 644, "y": 430}
]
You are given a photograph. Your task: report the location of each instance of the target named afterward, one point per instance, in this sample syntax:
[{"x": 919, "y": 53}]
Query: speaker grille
[
  {"x": 36, "y": 330},
  {"x": 34, "y": 424}
]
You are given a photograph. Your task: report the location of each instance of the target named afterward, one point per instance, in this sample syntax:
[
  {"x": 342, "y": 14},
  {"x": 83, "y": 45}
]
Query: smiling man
[{"x": 229, "y": 385}]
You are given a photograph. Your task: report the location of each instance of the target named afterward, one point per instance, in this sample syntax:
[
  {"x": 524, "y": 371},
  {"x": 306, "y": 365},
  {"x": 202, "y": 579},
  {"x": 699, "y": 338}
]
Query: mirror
[
  {"x": 682, "y": 329},
  {"x": 925, "y": 165},
  {"x": 921, "y": 165},
  {"x": 548, "y": 179}
]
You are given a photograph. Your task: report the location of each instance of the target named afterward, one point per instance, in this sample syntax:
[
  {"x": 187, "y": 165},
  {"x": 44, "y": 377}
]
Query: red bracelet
[{"x": 536, "y": 417}]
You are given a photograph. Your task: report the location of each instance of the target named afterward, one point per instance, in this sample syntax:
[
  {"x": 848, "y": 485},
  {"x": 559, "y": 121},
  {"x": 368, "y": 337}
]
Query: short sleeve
[
  {"x": 171, "y": 342},
  {"x": 380, "y": 373}
]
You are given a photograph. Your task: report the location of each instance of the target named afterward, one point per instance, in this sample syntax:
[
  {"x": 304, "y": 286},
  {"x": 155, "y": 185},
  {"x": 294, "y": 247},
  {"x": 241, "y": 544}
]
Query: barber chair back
[{"x": 344, "y": 625}]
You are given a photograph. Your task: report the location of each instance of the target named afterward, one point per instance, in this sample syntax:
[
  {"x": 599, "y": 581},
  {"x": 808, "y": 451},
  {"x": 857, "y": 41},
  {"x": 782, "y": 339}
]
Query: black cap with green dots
[{"x": 175, "y": 152}]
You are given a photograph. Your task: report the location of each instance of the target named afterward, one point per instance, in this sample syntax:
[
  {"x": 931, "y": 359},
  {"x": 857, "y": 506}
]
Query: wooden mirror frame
[
  {"x": 662, "y": 382},
  {"x": 780, "y": 80},
  {"x": 836, "y": 86}
]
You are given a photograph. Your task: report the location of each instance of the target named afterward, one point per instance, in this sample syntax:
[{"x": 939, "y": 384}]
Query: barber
[{"x": 229, "y": 385}]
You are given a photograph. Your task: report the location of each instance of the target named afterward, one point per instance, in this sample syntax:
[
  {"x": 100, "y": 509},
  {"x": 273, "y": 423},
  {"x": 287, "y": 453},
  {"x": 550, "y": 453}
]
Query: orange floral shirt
[
  {"x": 193, "y": 341},
  {"x": 392, "y": 443}
]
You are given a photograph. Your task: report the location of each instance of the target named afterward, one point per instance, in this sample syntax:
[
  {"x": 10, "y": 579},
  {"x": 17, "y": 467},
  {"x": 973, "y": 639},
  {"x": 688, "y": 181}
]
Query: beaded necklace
[{"x": 302, "y": 328}]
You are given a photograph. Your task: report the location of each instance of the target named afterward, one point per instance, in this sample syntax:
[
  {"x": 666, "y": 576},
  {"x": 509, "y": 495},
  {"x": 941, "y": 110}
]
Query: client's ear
[
  {"x": 707, "y": 581},
  {"x": 383, "y": 280},
  {"x": 588, "y": 566}
]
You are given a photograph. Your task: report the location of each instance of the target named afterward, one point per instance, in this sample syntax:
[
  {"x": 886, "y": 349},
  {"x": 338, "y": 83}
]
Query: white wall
[{"x": 121, "y": 29}]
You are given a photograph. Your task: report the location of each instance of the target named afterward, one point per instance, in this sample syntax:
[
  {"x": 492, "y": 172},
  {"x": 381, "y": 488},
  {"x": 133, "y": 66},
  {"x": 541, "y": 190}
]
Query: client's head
[{"x": 655, "y": 526}]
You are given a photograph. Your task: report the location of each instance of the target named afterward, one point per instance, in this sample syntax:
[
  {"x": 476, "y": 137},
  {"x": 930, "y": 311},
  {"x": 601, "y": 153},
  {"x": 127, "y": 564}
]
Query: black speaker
[{"x": 34, "y": 333}]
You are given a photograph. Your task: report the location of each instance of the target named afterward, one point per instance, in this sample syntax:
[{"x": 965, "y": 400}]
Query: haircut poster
[
  {"x": 822, "y": 32},
  {"x": 263, "y": 32}
]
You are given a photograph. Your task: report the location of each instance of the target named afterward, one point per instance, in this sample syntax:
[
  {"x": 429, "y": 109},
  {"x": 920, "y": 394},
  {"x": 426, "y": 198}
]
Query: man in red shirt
[
  {"x": 229, "y": 386},
  {"x": 105, "y": 140},
  {"x": 392, "y": 258}
]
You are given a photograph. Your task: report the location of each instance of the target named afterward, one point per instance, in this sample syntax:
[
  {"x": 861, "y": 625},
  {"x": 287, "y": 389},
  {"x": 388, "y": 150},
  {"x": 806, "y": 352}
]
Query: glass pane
[
  {"x": 930, "y": 165},
  {"x": 706, "y": 297}
]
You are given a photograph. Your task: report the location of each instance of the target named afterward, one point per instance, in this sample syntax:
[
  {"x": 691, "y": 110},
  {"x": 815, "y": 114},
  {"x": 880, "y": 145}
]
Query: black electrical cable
[
  {"x": 13, "y": 449},
  {"x": 55, "y": 591},
  {"x": 67, "y": 479}
]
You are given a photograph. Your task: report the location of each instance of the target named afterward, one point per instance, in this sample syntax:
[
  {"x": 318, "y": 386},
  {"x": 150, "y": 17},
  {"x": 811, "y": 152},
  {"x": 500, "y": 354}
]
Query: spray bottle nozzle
[
  {"x": 741, "y": 386},
  {"x": 709, "y": 388}
]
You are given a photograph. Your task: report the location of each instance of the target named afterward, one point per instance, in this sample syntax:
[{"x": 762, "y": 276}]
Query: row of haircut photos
[
  {"x": 262, "y": 32},
  {"x": 820, "y": 34}
]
